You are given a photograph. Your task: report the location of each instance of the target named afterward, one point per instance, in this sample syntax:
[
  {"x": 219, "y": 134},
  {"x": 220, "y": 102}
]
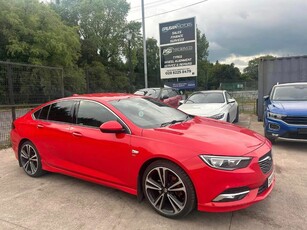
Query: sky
[{"x": 237, "y": 30}]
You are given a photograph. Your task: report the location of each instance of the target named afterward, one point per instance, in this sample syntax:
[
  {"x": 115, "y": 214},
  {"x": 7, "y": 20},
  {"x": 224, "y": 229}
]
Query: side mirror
[
  {"x": 112, "y": 127},
  {"x": 266, "y": 97},
  {"x": 181, "y": 102},
  {"x": 231, "y": 101}
]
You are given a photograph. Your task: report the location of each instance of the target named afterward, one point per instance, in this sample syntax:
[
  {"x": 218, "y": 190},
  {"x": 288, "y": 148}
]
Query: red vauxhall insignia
[{"x": 178, "y": 162}]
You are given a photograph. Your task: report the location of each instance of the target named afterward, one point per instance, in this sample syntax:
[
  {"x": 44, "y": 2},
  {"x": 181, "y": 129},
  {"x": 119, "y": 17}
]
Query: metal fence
[
  {"x": 22, "y": 87},
  {"x": 245, "y": 92},
  {"x": 247, "y": 100}
]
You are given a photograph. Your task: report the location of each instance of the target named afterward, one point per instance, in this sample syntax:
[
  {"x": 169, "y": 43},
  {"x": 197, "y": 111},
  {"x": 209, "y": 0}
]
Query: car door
[
  {"x": 104, "y": 156},
  {"x": 52, "y": 134}
]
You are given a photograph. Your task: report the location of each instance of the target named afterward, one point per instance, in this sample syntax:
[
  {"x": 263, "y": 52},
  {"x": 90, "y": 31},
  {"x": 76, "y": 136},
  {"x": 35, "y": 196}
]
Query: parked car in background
[
  {"x": 169, "y": 96},
  {"x": 141, "y": 146},
  {"x": 216, "y": 104},
  {"x": 285, "y": 112}
]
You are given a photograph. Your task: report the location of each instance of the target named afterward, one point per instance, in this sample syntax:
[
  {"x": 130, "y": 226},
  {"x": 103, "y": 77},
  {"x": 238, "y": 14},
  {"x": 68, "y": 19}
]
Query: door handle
[
  {"x": 77, "y": 134},
  {"x": 39, "y": 126}
]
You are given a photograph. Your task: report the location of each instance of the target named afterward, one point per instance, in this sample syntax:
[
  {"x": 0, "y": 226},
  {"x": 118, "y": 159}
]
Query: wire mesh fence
[
  {"x": 6, "y": 118},
  {"x": 29, "y": 84},
  {"x": 247, "y": 100},
  {"x": 22, "y": 87},
  {"x": 245, "y": 92}
]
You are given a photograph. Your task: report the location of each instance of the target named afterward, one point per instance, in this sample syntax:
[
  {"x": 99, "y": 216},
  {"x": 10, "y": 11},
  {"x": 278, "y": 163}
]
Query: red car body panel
[{"x": 116, "y": 160}]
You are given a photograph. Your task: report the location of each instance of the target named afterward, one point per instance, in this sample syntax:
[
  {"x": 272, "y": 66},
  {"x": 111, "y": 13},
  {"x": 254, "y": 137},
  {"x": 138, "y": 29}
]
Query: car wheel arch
[
  {"x": 140, "y": 192},
  {"x": 19, "y": 147}
]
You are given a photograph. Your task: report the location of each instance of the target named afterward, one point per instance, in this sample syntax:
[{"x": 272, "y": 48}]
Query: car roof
[
  {"x": 155, "y": 88},
  {"x": 292, "y": 83},
  {"x": 211, "y": 91},
  {"x": 104, "y": 96}
]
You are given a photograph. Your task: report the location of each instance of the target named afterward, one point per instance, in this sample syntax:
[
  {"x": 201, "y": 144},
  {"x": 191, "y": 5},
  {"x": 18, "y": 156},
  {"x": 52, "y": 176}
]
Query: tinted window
[
  {"x": 42, "y": 114},
  {"x": 93, "y": 114},
  {"x": 36, "y": 114},
  {"x": 61, "y": 111}
]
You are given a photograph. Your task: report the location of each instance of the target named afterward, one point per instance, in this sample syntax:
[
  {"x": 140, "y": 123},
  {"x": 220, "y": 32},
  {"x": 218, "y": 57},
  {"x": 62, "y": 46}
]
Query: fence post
[{"x": 11, "y": 90}]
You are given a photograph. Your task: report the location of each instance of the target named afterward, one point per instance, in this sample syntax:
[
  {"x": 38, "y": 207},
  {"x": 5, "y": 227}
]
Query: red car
[
  {"x": 169, "y": 96},
  {"x": 139, "y": 145}
]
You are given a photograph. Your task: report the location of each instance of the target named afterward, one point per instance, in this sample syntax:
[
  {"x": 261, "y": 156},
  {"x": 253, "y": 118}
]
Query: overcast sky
[{"x": 237, "y": 30}]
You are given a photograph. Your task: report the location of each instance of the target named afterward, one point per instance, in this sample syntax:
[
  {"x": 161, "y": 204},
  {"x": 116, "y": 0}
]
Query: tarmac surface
[{"x": 57, "y": 202}]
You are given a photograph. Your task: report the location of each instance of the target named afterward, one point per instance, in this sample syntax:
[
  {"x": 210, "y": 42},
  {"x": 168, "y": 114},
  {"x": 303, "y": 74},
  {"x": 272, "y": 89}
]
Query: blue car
[{"x": 285, "y": 112}]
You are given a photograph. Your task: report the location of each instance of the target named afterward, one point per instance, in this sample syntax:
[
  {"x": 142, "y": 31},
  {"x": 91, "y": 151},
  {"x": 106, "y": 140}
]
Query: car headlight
[
  {"x": 217, "y": 116},
  {"x": 226, "y": 163},
  {"x": 276, "y": 115}
]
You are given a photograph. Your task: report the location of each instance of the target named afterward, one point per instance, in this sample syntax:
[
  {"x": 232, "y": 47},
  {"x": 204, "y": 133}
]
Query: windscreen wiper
[{"x": 170, "y": 122}]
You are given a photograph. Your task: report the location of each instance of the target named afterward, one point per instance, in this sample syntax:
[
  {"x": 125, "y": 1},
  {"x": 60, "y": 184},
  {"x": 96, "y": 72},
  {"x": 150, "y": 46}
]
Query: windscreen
[
  {"x": 147, "y": 112},
  {"x": 290, "y": 93},
  {"x": 214, "y": 97}
]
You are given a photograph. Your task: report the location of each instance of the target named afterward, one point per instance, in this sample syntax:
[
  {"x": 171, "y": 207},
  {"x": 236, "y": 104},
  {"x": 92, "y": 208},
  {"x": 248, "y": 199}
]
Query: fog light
[
  {"x": 228, "y": 197},
  {"x": 274, "y": 126}
]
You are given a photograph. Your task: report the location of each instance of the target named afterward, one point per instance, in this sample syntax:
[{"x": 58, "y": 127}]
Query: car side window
[
  {"x": 172, "y": 93},
  {"x": 61, "y": 111},
  {"x": 164, "y": 93},
  {"x": 228, "y": 97},
  {"x": 42, "y": 114},
  {"x": 93, "y": 114}
]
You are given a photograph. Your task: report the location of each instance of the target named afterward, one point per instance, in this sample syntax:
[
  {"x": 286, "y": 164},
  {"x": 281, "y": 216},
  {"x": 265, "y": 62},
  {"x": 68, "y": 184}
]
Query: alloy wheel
[
  {"x": 166, "y": 191},
  {"x": 29, "y": 159}
]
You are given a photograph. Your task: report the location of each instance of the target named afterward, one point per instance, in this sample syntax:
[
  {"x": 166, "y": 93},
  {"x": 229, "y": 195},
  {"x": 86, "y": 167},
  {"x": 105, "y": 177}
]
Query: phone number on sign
[{"x": 178, "y": 71}]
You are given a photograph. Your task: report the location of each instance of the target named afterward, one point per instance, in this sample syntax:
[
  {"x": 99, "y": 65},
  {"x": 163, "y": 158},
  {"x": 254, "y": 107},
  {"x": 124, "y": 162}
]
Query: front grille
[
  {"x": 263, "y": 187},
  {"x": 295, "y": 135},
  {"x": 266, "y": 162},
  {"x": 295, "y": 120}
]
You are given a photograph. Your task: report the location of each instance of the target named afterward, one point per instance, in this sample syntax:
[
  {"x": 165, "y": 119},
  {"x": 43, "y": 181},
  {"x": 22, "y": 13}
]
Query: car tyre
[
  {"x": 30, "y": 160},
  {"x": 168, "y": 189},
  {"x": 237, "y": 116},
  {"x": 228, "y": 118}
]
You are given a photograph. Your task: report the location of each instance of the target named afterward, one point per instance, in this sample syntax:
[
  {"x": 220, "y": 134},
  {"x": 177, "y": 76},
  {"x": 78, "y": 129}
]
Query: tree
[
  {"x": 31, "y": 32},
  {"x": 251, "y": 71},
  {"x": 202, "y": 46},
  {"x": 203, "y": 65},
  {"x": 101, "y": 24},
  {"x": 223, "y": 73},
  {"x": 153, "y": 64}
]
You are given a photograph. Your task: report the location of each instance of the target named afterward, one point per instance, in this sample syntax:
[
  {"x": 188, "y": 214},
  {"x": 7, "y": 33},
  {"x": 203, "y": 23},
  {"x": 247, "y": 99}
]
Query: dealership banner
[
  {"x": 177, "y": 31},
  {"x": 186, "y": 84},
  {"x": 178, "y": 49}
]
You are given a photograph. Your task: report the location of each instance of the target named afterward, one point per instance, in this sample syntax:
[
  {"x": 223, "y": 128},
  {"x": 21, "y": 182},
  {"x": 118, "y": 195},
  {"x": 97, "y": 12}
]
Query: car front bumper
[
  {"x": 224, "y": 191},
  {"x": 279, "y": 129}
]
